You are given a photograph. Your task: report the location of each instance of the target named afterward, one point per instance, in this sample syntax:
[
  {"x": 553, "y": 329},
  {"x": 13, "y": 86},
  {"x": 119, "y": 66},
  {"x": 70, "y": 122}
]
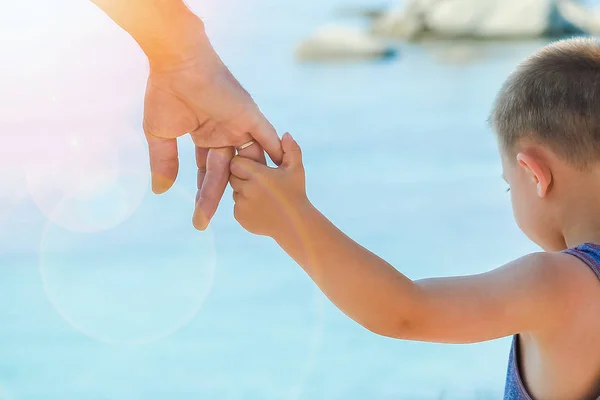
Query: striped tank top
[{"x": 515, "y": 389}]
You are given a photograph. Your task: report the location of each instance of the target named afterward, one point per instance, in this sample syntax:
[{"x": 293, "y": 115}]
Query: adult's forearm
[
  {"x": 166, "y": 30},
  {"x": 359, "y": 283}
]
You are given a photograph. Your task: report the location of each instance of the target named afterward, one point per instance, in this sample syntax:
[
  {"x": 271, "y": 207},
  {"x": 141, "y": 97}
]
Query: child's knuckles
[
  {"x": 251, "y": 194},
  {"x": 234, "y": 168},
  {"x": 250, "y": 191},
  {"x": 237, "y": 214},
  {"x": 240, "y": 166},
  {"x": 238, "y": 187},
  {"x": 237, "y": 197},
  {"x": 266, "y": 180},
  {"x": 240, "y": 214},
  {"x": 255, "y": 174}
]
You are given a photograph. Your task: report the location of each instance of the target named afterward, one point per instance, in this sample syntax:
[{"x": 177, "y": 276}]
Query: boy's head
[{"x": 547, "y": 119}]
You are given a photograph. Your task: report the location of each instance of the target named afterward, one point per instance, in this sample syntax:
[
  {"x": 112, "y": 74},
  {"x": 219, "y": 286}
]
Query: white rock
[
  {"x": 361, "y": 12},
  {"x": 402, "y": 23},
  {"x": 341, "y": 42},
  {"x": 474, "y": 18},
  {"x": 491, "y": 18},
  {"x": 576, "y": 13}
]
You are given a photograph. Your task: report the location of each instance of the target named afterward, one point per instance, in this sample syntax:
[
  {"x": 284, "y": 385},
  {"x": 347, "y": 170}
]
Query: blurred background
[{"x": 108, "y": 293}]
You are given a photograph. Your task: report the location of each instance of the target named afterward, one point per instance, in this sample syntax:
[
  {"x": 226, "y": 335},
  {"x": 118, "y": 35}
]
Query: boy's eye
[{"x": 507, "y": 190}]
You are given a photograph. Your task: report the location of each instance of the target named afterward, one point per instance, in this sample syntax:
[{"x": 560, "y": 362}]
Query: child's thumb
[{"x": 292, "y": 154}]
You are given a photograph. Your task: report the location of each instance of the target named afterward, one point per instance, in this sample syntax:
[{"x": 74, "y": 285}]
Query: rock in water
[
  {"x": 362, "y": 12},
  {"x": 490, "y": 19},
  {"x": 578, "y": 14},
  {"x": 402, "y": 23},
  {"x": 333, "y": 43},
  {"x": 476, "y": 19}
]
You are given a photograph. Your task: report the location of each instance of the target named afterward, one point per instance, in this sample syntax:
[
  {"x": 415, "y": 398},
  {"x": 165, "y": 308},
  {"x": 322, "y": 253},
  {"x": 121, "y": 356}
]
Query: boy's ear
[{"x": 537, "y": 170}]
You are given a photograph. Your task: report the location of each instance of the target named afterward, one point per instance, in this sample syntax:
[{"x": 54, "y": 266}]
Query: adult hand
[{"x": 197, "y": 94}]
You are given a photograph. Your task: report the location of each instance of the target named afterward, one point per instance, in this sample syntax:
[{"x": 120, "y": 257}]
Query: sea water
[{"x": 111, "y": 295}]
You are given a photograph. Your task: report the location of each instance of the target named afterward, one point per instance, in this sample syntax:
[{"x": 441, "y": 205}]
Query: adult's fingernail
[
  {"x": 200, "y": 220},
  {"x": 160, "y": 184}
]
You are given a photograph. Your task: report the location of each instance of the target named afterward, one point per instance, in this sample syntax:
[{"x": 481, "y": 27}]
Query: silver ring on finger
[{"x": 246, "y": 145}]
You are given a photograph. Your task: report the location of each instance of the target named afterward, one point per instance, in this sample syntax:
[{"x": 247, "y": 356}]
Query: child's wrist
[{"x": 294, "y": 222}]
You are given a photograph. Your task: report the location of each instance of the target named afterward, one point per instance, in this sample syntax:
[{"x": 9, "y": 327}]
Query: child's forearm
[
  {"x": 362, "y": 285},
  {"x": 521, "y": 297}
]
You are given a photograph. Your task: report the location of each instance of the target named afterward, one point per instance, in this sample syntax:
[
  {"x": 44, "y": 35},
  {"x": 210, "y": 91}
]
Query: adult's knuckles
[{"x": 160, "y": 131}]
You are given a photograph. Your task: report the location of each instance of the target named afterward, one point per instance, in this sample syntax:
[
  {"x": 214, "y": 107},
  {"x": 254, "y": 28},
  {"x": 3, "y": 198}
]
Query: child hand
[{"x": 267, "y": 200}]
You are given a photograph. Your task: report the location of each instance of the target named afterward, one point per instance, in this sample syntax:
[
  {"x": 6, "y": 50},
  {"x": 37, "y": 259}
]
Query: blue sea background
[{"x": 398, "y": 154}]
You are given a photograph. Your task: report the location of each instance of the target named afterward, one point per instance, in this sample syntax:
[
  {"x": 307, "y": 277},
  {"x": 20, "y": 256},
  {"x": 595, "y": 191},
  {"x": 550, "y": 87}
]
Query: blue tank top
[{"x": 515, "y": 389}]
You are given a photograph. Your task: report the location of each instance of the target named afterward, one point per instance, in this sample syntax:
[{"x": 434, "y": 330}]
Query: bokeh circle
[
  {"x": 135, "y": 283},
  {"x": 5, "y": 394},
  {"x": 13, "y": 189},
  {"x": 87, "y": 180}
]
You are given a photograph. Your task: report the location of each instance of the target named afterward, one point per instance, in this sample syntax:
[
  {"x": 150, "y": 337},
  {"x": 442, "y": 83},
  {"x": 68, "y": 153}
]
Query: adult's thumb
[{"x": 292, "y": 154}]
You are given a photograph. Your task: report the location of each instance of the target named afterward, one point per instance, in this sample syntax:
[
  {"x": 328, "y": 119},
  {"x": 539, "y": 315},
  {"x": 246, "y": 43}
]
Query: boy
[{"x": 547, "y": 121}]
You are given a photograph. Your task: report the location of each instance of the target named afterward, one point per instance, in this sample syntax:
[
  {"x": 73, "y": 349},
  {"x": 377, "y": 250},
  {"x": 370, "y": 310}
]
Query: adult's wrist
[
  {"x": 166, "y": 30},
  {"x": 183, "y": 41}
]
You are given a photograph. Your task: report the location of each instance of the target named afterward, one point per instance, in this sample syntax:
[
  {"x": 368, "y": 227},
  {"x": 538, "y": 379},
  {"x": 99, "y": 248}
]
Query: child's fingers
[
  {"x": 292, "y": 154},
  {"x": 237, "y": 184},
  {"x": 244, "y": 168}
]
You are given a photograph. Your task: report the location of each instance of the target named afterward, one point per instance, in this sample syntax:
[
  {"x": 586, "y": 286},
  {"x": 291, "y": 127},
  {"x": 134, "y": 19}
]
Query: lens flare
[
  {"x": 5, "y": 395},
  {"x": 314, "y": 345},
  {"x": 135, "y": 283},
  {"x": 310, "y": 346},
  {"x": 12, "y": 170},
  {"x": 87, "y": 180},
  {"x": 7, "y": 201}
]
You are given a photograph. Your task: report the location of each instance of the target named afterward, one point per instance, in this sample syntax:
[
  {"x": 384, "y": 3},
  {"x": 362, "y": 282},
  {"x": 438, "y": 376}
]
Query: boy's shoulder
[
  {"x": 557, "y": 269},
  {"x": 557, "y": 266},
  {"x": 565, "y": 309},
  {"x": 562, "y": 279}
]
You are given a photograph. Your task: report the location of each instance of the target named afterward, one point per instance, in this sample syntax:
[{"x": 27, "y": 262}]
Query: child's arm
[
  {"x": 506, "y": 301},
  {"x": 520, "y": 297}
]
